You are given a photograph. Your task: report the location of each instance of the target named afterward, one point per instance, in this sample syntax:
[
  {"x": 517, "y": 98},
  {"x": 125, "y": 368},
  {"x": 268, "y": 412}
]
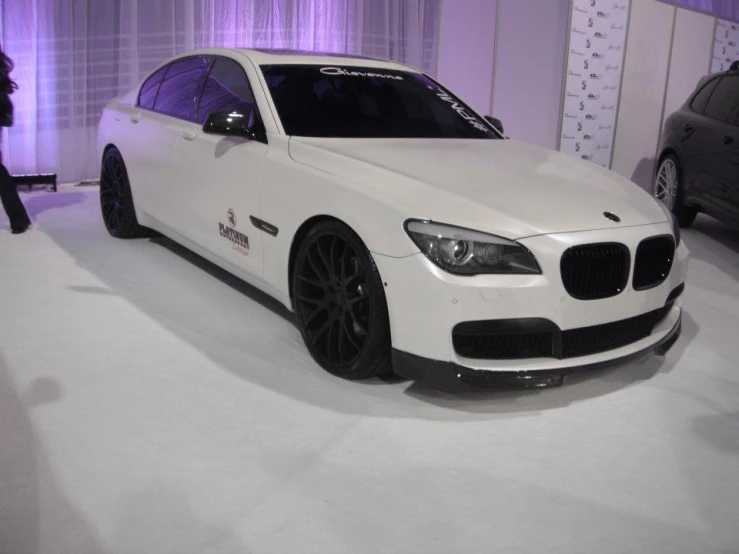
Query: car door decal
[{"x": 239, "y": 240}]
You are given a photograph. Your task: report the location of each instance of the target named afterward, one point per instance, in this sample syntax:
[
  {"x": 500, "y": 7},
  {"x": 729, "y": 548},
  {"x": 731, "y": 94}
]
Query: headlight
[
  {"x": 467, "y": 252},
  {"x": 676, "y": 230}
]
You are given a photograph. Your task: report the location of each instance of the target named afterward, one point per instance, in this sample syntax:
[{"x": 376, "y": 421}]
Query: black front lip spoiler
[{"x": 449, "y": 376}]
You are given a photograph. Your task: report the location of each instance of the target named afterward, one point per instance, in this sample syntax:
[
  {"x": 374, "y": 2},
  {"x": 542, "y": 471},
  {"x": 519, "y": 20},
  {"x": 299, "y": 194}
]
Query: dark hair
[{"x": 7, "y": 85}]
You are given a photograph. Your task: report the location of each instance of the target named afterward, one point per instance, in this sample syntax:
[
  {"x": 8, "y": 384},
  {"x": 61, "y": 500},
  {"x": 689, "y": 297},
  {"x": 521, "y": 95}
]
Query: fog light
[{"x": 493, "y": 254}]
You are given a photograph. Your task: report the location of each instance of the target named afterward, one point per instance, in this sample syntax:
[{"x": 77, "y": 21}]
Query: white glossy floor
[{"x": 149, "y": 403}]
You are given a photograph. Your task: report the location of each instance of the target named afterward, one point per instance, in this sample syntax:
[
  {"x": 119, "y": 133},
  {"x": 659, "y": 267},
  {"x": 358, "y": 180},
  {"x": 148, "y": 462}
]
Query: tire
[
  {"x": 669, "y": 189},
  {"x": 340, "y": 303},
  {"x": 116, "y": 200}
]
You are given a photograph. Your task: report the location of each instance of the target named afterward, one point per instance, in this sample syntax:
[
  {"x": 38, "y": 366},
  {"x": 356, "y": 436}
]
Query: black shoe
[{"x": 19, "y": 230}]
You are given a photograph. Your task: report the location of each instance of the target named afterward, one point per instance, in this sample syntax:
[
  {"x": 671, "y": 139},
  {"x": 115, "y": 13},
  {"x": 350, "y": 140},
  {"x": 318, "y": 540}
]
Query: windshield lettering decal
[
  {"x": 471, "y": 119},
  {"x": 337, "y": 71}
]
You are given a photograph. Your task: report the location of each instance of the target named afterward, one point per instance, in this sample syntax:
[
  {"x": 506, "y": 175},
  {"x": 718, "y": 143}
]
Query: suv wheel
[{"x": 668, "y": 189}]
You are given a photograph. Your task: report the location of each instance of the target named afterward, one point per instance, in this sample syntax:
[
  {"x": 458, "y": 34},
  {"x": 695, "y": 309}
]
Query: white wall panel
[
  {"x": 530, "y": 57},
  {"x": 595, "y": 60},
  {"x": 643, "y": 90},
  {"x": 466, "y": 44},
  {"x": 691, "y": 56}
]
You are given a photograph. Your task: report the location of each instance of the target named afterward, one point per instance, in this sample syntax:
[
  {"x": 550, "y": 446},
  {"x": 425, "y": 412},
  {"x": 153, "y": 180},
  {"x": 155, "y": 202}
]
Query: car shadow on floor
[
  {"x": 253, "y": 336},
  {"x": 715, "y": 243},
  {"x": 36, "y": 204}
]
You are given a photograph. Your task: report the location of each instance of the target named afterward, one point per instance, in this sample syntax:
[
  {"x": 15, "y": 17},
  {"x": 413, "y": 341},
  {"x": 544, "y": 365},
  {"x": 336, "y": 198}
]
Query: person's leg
[{"x": 19, "y": 220}]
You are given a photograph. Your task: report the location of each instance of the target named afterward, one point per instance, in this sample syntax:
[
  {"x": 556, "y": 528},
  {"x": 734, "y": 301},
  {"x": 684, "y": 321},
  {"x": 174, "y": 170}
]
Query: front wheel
[
  {"x": 668, "y": 189},
  {"x": 340, "y": 303}
]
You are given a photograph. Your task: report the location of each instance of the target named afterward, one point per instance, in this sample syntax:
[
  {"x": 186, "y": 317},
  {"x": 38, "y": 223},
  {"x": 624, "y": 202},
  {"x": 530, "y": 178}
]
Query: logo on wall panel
[
  {"x": 595, "y": 90},
  {"x": 725, "y": 46}
]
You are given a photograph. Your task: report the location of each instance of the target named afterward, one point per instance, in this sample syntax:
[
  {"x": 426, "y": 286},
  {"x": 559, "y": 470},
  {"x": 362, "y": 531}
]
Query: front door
[
  {"x": 223, "y": 174},
  {"x": 723, "y": 156}
]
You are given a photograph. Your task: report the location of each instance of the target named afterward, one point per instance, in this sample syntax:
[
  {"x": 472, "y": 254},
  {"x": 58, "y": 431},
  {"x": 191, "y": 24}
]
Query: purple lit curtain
[
  {"x": 725, "y": 9},
  {"x": 73, "y": 56}
]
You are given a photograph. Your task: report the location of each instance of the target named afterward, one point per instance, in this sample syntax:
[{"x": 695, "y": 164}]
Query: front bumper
[
  {"x": 425, "y": 304},
  {"x": 450, "y": 376}
]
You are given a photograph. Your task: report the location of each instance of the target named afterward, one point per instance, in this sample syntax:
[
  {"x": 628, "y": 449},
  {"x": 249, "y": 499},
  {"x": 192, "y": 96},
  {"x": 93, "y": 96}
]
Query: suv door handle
[
  {"x": 189, "y": 136},
  {"x": 687, "y": 127},
  {"x": 728, "y": 140}
]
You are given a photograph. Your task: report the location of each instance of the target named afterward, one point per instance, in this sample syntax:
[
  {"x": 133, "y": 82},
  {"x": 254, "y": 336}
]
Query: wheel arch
[
  {"x": 107, "y": 148},
  {"x": 298, "y": 238},
  {"x": 669, "y": 150}
]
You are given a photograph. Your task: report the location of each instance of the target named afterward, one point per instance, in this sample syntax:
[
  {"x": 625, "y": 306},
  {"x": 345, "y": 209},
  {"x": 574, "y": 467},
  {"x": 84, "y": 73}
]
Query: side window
[
  {"x": 226, "y": 88},
  {"x": 724, "y": 98},
  {"x": 701, "y": 99},
  {"x": 179, "y": 89},
  {"x": 149, "y": 89}
]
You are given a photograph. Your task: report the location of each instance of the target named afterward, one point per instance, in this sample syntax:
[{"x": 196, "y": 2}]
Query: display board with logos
[
  {"x": 595, "y": 58},
  {"x": 725, "y": 46}
]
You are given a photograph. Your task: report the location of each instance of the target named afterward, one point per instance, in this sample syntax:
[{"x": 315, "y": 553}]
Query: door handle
[
  {"x": 687, "y": 127},
  {"x": 135, "y": 118},
  {"x": 728, "y": 140},
  {"x": 189, "y": 136}
]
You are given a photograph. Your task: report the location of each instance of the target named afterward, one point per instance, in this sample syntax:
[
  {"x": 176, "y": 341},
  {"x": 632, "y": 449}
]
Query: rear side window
[
  {"x": 150, "y": 88},
  {"x": 180, "y": 87},
  {"x": 724, "y": 99},
  {"x": 226, "y": 88},
  {"x": 701, "y": 99}
]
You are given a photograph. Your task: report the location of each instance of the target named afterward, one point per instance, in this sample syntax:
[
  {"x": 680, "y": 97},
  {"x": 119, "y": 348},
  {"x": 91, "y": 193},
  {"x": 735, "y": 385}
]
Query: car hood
[{"x": 506, "y": 187}]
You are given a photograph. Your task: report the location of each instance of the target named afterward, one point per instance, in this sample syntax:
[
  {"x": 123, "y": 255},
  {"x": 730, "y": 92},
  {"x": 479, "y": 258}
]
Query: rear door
[
  {"x": 173, "y": 109},
  {"x": 221, "y": 175},
  {"x": 147, "y": 144}
]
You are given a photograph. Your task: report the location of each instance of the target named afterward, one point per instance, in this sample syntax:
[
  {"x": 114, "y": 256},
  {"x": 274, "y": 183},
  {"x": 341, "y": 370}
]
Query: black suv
[{"x": 698, "y": 166}]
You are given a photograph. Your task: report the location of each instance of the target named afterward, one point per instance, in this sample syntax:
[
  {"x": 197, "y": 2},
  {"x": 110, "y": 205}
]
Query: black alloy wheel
[
  {"x": 116, "y": 201},
  {"x": 340, "y": 303}
]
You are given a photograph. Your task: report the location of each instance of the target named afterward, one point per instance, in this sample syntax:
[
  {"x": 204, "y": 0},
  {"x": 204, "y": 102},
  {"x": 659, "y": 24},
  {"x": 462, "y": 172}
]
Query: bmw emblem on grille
[{"x": 612, "y": 217}]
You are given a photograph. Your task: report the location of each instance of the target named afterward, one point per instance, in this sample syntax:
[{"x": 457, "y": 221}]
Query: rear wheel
[
  {"x": 340, "y": 303},
  {"x": 116, "y": 200},
  {"x": 668, "y": 189}
]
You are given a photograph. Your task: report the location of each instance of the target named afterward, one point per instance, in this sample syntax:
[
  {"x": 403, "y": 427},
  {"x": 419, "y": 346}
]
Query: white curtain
[
  {"x": 728, "y": 9},
  {"x": 73, "y": 56}
]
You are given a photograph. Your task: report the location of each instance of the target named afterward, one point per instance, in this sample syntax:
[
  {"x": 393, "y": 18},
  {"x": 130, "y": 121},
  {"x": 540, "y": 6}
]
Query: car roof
[{"x": 266, "y": 56}]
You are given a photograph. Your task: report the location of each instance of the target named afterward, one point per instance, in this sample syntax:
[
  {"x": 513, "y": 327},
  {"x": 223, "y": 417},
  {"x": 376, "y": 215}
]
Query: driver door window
[{"x": 226, "y": 88}]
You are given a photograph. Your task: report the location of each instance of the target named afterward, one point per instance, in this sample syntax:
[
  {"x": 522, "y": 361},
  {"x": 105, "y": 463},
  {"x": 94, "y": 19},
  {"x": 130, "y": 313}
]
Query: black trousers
[{"x": 11, "y": 201}]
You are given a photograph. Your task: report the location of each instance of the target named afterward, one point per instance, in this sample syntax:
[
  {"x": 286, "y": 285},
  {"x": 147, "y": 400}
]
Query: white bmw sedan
[{"x": 405, "y": 231}]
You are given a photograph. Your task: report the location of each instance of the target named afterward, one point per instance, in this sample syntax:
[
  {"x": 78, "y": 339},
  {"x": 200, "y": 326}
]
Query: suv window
[
  {"x": 149, "y": 89},
  {"x": 226, "y": 88},
  {"x": 724, "y": 98},
  {"x": 701, "y": 99},
  {"x": 179, "y": 89}
]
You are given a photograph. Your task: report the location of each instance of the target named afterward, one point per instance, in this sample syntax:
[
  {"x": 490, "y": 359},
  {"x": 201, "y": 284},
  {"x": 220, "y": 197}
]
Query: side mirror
[
  {"x": 495, "y": 122},
  {"x": 235, "y": 123}
]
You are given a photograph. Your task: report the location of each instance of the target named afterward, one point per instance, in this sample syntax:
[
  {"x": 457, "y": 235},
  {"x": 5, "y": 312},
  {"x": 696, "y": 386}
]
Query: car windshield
[{"x": 361, "y": 102}]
